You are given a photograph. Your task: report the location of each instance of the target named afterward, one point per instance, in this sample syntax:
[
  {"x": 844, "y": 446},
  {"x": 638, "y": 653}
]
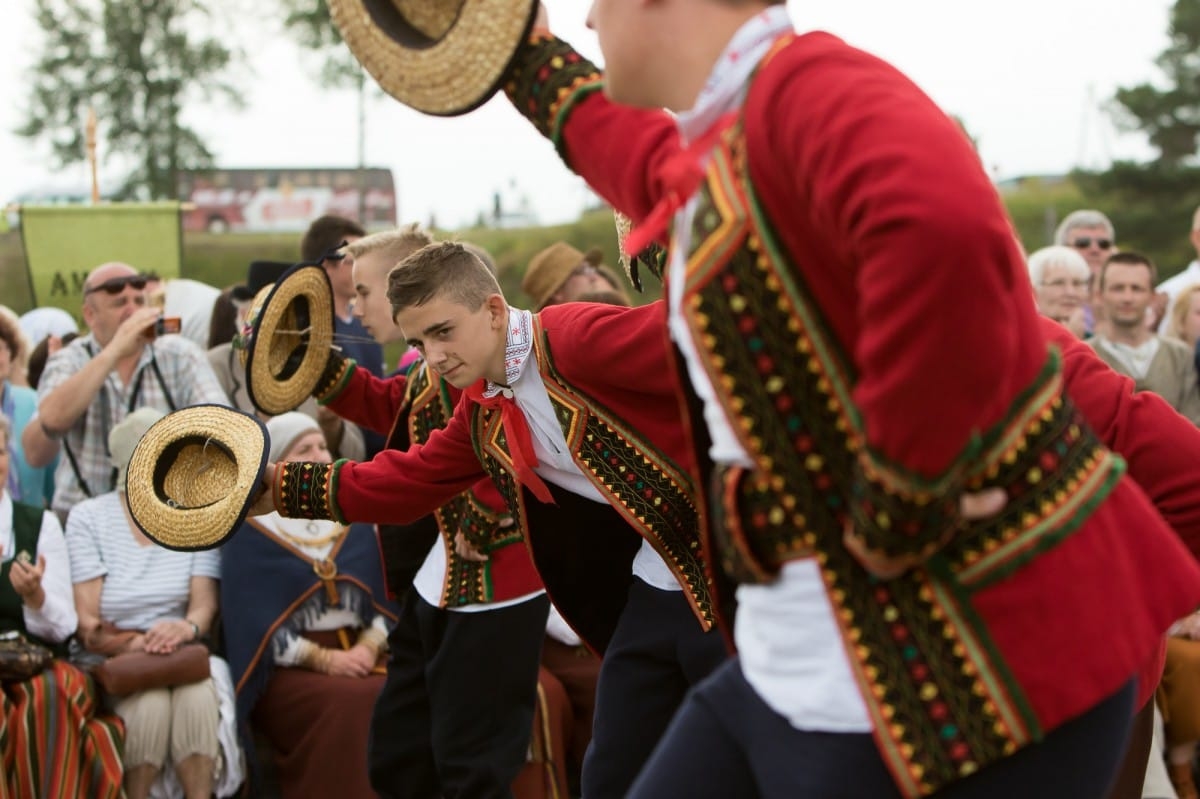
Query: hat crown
[
  {"x": 433, "y": 18},
  {"x": 549, "y": 269}
]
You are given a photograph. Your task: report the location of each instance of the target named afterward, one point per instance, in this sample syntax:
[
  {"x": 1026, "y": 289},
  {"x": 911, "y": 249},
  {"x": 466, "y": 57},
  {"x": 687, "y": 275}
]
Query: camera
[{"x": 167, "y": 324}]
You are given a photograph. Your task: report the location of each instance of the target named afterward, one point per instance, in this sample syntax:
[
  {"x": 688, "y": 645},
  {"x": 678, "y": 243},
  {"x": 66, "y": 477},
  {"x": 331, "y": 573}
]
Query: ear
[{"x": 497, "y": 308}]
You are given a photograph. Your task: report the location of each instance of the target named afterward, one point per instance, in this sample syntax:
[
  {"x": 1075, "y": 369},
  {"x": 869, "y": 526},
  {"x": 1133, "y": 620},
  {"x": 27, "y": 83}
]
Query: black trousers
[
  {"x": 726, "y": 743},
  {"x": 455, "y": 714},
  {"x": 657, "y": 653}
]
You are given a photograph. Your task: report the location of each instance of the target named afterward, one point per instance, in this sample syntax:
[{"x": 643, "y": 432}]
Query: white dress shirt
[{"x": 55, "y": 620}]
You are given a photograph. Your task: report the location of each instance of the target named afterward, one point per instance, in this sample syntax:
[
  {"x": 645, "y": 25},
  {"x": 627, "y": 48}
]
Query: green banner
[{"x": 63, "y": 243}]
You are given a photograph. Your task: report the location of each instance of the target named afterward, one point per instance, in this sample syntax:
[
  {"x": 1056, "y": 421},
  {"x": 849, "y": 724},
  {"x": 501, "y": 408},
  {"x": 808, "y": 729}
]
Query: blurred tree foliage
[
  {"x": 1151, "y": 204},
  {"x": 140, "y": 64}
]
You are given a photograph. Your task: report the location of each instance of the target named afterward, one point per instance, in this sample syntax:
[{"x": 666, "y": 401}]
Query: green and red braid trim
[
  {"x": 307, "y": 490},
  {"x": 546, "y": 79},
  {"x": 337, "y": 373}
]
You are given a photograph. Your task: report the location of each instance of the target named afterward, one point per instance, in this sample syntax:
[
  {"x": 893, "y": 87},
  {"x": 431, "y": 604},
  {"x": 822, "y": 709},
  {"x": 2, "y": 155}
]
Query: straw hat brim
[
  {"x": 291, "y": 336},
  {"x": 447, "y": 76},
  {"x": 194, "y": 475}
]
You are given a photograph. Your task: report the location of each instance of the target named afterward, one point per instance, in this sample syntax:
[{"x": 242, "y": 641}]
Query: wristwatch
[{"x": 195, "y": 629}]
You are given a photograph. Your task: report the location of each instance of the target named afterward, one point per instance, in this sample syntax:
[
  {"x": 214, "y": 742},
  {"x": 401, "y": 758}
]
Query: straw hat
[
  {"x": 288, "y": 340},
  {"x": 194, "y": 475},
  {"x": 442, "y": 57},
  {"x": 550, "y": 269}
]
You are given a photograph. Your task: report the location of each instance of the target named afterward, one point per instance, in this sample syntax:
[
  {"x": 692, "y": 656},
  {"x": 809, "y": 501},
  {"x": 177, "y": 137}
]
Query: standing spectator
[
  {"x": 1161, "y": 365},
  {"x": 1184, "y": 322},
  {"x": 324, "y": 244},
  {"x": 134, "y": 596},
  {"x": 53, "y": 745},
  {"x": 305, "y": 649},
  {"x": 89, "y": 386},
  {"x": 18, "y": 404},
  {"x": 1190, "y": 275},
  {"x": 1060, "y": 280}
]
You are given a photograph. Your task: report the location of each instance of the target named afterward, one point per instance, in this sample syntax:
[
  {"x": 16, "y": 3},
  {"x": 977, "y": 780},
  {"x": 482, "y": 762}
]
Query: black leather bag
[{"x": 21, "y": 659}]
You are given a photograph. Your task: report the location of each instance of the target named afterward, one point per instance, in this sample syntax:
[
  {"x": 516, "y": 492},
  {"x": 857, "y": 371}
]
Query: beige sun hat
[
  {"x": 194, "y": 475},
  {"x": 442, "y": 57},
  {"x": 287, "y": 340}
]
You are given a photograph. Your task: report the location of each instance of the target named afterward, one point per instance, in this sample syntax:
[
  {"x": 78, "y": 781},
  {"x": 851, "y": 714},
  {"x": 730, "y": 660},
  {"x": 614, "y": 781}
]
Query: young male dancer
[
  {"x": 571, "y": 412},
  {"x": 462, "y": 604},
  {"x": 862, "y": 352}
]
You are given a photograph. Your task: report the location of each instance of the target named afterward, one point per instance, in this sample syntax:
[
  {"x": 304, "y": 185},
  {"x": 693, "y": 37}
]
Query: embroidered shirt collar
[
  {"x": 726, "y": 85},
  {"x": 516, "y": 351}
]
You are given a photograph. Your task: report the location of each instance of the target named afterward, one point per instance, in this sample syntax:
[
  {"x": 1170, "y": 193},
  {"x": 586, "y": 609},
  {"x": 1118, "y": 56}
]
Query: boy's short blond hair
[
  {"x": 447, "y": 270},
  {"x": 394, "y": 245}
]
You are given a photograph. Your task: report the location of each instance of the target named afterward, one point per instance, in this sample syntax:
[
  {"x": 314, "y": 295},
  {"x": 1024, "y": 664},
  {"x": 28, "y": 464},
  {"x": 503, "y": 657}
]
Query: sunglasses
[
  {"x": 117, "y": 284},
  {"x": 1083, "y": 242}
]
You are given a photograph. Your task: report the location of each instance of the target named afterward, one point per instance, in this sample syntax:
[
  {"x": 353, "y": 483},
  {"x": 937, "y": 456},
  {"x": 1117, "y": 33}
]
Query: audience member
[
  {"x": 190, "y": 301},
  {"x": 46, "y": 321},
  {"x": 324, "y": 243},
  {"x": 1190, "y": 275},
  {"x": 1162, "y": 365},
  {"x": 1060, "y": 280},
  {"x": 42, "y": 352},
  {"x": 305, "y": 646},
  {"x": 18, "y": 404},
  {"x": 1179, "y": 694},
  {"x": 135, "y": 596},
  {"x": 90, "y": 385},
  {"x": 1091, "y": 234},
  {"x": 53, "y": 742},
  {"x": 560, "y": 273},
  {"x": 223, "y": 325}
]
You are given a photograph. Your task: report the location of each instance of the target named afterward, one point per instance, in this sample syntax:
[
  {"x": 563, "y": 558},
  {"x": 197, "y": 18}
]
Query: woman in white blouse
[
  {"x": 49, "y": 730},
  {"x": 124, "y": 581}
]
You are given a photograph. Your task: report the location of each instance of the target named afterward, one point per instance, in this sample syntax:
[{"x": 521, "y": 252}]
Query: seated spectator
[
  {"x": 125, "y": 582},
  {"x": 18, "y": 404},
  {"x": 93, "y": 383},
  {"x": 19, "y": 354},
  {"x": 41, "y": 354},
  {"x": 307, "y": 642},
  {"x": 1060, "y": 278},
  {"x": 41, "y": 323},
  {"x": 53, "y": 743}
]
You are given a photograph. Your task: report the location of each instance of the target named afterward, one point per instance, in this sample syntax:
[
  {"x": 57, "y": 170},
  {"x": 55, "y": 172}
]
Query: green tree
[
  {"x": 139, "y": 64},
  {"x": 1170, "y": 116}
]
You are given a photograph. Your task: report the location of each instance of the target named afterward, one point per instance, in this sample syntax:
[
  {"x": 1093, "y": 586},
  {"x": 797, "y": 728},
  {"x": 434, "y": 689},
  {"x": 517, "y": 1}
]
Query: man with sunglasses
[{"x": 90, "y": 385}]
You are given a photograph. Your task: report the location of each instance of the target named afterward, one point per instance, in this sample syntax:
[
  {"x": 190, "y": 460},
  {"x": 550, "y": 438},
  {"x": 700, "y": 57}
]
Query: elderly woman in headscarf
[
  {"x": 53, "y": 745},
  {"x": 125, "y": 582},
  {"x": 306, "y": 642}
]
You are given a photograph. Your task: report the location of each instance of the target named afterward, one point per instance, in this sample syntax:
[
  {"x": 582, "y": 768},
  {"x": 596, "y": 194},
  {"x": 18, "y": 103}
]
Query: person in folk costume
[
  {"x": 466, "y": 585},
  {"x": 305, "y": 626},
  {"x": 897, "y": 481},
  {"x": 594, "y": 467}
]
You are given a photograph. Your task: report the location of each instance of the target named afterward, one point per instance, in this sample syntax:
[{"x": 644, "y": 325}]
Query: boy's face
[
  {"x": 459, "y": 344},
  {"x": 371, "y": 306}
]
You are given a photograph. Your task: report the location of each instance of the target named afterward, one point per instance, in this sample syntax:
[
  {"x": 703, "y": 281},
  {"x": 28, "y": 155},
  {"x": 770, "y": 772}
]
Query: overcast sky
[{"x": 1029, "y": 77}]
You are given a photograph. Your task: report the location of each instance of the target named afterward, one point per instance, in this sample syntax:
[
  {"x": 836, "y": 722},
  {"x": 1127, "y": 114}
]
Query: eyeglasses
[
  {"x": 1083, "y": 242},
  {"x": 117, "y": 284},
  {"x": 1062, "y": 283}
]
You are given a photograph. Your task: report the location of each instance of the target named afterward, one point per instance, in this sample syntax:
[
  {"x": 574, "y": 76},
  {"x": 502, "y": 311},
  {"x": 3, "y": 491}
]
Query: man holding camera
[{"x": 90, "y": 385}]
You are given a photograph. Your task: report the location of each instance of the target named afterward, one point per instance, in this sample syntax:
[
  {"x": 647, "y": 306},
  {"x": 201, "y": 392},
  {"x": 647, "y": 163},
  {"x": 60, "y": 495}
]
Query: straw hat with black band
[
  {"x": 288, "y": 339},
  {"x": 442, "y": 57},
  {"x": 194, "y": 475}
]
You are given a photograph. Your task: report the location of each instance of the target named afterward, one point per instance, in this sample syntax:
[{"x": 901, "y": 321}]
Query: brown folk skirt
[
  {"x": 318, "y": 725},
  {"x": 1179, "y": 691}
]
